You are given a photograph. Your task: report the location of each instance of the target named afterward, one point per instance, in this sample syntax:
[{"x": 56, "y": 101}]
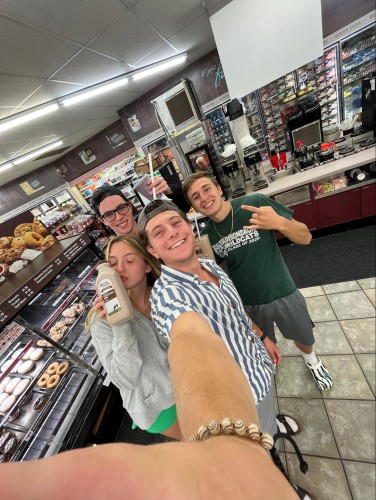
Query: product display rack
[
  {"x": 41, "y": 431},
  {"x": 221, "y": 130},
  {"x": 256, "y": 127},
  {"x": 358, "y": 59},
  {"x": 272, "y": 95},
  {"x": 321, "y": 76}
]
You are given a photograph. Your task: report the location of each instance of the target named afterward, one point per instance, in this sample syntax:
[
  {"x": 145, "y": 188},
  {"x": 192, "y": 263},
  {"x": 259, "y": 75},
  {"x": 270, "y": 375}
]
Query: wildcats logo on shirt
[{"x": 235, "y": 240}]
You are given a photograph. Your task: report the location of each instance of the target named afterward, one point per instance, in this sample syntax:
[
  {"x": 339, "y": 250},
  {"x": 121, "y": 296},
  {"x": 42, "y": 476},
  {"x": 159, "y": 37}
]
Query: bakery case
[{"x": 51, "y": 381}]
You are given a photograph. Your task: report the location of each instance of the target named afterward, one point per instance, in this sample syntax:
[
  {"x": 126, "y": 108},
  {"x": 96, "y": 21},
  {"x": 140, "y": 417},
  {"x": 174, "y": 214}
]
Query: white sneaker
[{"x": 320, "y": 374}]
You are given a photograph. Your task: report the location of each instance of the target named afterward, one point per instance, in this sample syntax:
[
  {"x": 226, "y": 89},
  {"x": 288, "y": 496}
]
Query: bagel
[
  {"x": 33, "y": 239},
  {"x": 62, "y": 368},
  {"x": 52, "y": 369},
  {"x": 42, "y": 382},
  {"x": 53, "y": 381}
]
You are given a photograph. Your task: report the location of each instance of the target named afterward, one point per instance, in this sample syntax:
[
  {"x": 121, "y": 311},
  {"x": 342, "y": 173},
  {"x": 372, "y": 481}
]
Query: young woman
[{"x": 133, "y": 353}]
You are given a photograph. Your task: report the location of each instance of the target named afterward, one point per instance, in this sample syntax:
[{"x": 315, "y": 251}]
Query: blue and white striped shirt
[{"x": 176, "y": 292}]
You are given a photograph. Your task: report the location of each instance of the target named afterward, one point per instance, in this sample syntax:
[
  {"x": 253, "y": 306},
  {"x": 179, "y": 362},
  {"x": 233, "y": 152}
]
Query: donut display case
[{"x": 51, "y": 381}]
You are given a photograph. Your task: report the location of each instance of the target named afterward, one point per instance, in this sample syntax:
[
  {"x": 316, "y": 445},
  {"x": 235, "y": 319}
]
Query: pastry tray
[{"x": 20, "y": 435}]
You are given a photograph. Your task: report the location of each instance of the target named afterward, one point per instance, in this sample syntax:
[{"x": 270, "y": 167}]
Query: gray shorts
[{"x": 289, "y": 313}]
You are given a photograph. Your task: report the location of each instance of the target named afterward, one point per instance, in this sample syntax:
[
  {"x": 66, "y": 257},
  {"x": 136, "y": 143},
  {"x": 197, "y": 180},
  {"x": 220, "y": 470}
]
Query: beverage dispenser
[{"x": 253, "y": 162}]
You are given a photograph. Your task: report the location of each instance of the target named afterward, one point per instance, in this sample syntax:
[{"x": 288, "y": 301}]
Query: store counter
[{"x": 315, "y": 173}]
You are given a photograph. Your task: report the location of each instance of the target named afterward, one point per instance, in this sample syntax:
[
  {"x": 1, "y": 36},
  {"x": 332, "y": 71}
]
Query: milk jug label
[{"x": 111, "y": 301}]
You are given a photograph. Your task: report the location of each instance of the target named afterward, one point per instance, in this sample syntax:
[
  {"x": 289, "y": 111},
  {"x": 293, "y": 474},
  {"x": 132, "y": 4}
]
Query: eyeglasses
[{"x": 111, "y": 214}]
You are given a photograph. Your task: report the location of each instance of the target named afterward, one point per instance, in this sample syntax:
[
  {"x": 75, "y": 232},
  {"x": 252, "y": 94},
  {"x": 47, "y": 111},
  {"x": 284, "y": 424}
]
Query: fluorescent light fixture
[
  {"x": 82, "y": 96},
  {"x": 37, "y": 152},
  {"x": 5, "y": 166},
  {"x": 27, "y": 117},
  {"x": 159, "y": 67}
]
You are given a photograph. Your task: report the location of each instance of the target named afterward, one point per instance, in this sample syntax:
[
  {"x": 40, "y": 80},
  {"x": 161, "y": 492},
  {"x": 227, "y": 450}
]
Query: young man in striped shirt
[{"x": 190, "y": 288}]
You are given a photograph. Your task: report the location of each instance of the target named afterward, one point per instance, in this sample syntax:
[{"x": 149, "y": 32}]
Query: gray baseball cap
[{"x": 154, "y": 208}]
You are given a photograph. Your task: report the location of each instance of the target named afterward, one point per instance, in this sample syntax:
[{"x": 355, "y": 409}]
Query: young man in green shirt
[{"x": 241, "y": 232}]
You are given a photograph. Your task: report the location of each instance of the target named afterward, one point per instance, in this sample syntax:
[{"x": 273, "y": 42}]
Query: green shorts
[{"x": 164, "y": 420}]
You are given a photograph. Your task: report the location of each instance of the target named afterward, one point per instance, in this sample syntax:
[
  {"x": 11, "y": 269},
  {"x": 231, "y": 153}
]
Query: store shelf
[
  {"x": 365, "y": 45},
  {"x": 358, "y": 77},
  {"x": 356, "y": 65}
]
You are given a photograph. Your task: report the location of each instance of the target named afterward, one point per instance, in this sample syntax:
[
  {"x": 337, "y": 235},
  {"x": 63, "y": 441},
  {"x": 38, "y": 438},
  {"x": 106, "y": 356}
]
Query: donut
[
  {"x": 26, "y": 366},
  {"x": 19, "y": 242},
  {"x": 21, "y": 387},
  {"x": 6, "y": 365},
  {"x": 42, "y": 382},
  {"x": 39, "y": 228},
  {"x": 27, "y": 354},
  {"x": 52, "y": 369},
  {"x": 40, "y": 402},
  {"x": 59, "y": 324},
  {"x": 37, "y": 354},
  {"x": 3, "y": 397},
  {"x": 11, "y": 445},
  {"x": 27, "y": 398},
  {"x": 53, "y": 381},
  {"x": 3, "y": 384},
  {"x": 7, "y": 404},
  {"x": 62, "y": 368},
  {"x": 17, "y": 353},
  {"x": 5, "y": 242},
  {"x": 15, "y": 414},
  {"x": 42, "y": 343},
  {"x": 3, "y": 458},
  {"x": 4, "y": 436},
  {"x": 69, "y": 313},
  {"x": 49, "y": 241},
  {"x": 12, "y": 385},
  {"x": 69, "y": 321},
  {"x": 34, "y": 239},
  {"x": 57, "y": 337},
  {"x": 62, "y": 331}
]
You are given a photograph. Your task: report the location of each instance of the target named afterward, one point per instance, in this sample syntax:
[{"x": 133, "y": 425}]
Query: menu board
[
  {"x": 23, "y": 238},
  {"x": 33, "y": 278}
]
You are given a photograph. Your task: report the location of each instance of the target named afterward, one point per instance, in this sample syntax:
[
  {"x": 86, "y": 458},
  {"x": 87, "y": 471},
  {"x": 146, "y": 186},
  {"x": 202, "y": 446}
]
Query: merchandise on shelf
[
  {"x": 358, "y": 61},
  {"x": 221, "y": 131}
]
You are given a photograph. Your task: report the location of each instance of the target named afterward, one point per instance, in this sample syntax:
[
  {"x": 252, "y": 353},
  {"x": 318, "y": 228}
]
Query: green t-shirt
[{"x": 253, "y": 258}]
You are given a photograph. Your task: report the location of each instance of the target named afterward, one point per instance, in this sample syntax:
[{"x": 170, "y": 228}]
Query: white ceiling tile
[
  {"x": 50, "y": 90},
  {"x": 76, "y": 20},
  {"x": 168, "y": 17},
  {"x": 129, "y": 39},
  {"x": 197, "y": 34},
  {"x": 25, "y": 51},
  {"x": 163, "y": 52},
  {"x": 15, "y": 89},
  {"x": 89, "y": 68}
]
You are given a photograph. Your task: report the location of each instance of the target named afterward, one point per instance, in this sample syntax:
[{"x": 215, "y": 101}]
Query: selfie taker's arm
[{"x": 221, "y": 467}]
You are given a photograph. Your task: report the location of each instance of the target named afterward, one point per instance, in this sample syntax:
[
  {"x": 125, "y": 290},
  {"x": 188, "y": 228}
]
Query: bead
[
  {"x": 203, "y": 433},
  {"x": 214, "y": 428},
  {"x": 227, "y": 426},
  {"x": 253, "y": 432},
  {"x": 239, "y": 427},
  {"x": 267, "y": 441}
]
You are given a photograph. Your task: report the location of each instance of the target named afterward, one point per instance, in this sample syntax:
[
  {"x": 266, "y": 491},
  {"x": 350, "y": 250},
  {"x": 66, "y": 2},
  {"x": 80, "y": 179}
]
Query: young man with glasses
[{"x": 117, "y": 212}]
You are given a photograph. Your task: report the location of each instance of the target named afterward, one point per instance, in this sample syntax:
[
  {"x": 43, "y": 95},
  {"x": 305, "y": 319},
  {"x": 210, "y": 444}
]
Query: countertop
[{"x": 315, "y": 173}]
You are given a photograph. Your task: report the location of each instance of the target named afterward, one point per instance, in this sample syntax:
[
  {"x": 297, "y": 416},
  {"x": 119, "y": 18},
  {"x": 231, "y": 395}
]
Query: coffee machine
[
  {"x": 230, "y": 168},
  {"x": 253, "y": 162}
]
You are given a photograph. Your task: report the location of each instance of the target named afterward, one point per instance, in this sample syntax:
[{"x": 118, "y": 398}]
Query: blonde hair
[{"x": 138, "y": 246}]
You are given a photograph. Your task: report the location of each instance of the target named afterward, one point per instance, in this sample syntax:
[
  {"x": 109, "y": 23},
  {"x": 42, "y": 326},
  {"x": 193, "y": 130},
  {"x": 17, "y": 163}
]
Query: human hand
[
  {"x": 264, "y": 218},
  {"x": 98, "y": 305},
  {"x": 160, "y": 186},
  {"x": 273, "y": 351}
]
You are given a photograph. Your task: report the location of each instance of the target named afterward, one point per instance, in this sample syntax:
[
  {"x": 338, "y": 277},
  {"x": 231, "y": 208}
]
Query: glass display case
[
  {"x": 358, "y": 58},
  {"x": 49, "y": 371}
]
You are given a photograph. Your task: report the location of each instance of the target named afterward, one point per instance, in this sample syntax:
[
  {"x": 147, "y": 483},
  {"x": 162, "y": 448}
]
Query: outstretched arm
[{"x": 267, "y": 218}]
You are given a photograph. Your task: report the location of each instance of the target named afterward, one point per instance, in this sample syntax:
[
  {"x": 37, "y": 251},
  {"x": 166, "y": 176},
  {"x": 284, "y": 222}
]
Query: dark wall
[{"x": 339, "y": 13}]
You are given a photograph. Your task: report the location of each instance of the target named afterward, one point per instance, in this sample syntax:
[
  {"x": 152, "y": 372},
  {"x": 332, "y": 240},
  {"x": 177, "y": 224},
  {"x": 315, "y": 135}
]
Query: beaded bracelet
[{"x": 228, "y": 427}]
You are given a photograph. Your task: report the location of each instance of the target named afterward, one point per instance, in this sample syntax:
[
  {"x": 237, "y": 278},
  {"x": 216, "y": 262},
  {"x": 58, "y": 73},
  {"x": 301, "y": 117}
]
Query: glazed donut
[
  {"x": 42, "y": 382},
  {"x": 52, "y": 369},
  {"x": 39, "y": 228},
  {"x": 53, "y": 381},
  {"x": 33, "y": 239},
  {"x": 62, "y": 368},
  {"x": 5, "y": 242},
  {"x": 19, "y": 242}
]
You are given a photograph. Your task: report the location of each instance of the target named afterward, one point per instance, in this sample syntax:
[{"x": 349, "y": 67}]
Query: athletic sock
[{"x": 310, "y": 358}]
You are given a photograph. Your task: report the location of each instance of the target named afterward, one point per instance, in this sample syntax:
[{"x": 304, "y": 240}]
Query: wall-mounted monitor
[{"x": 180, "y": 108}]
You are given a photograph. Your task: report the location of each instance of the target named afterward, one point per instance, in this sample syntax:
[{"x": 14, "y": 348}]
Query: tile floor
[{"x": 338, "y": 426}]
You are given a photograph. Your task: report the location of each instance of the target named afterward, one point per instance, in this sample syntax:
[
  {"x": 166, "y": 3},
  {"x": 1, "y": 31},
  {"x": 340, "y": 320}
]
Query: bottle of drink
[
  {"x": 203, "y": 243},
  {"x": 116, "y": 300}
]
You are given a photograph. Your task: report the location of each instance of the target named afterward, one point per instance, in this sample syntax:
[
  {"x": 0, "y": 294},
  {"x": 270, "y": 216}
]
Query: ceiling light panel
[
  {"x": 37, "y": 152},
  {"x": 82, "y": 96},
  {"x": 27, "y": 117}
]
